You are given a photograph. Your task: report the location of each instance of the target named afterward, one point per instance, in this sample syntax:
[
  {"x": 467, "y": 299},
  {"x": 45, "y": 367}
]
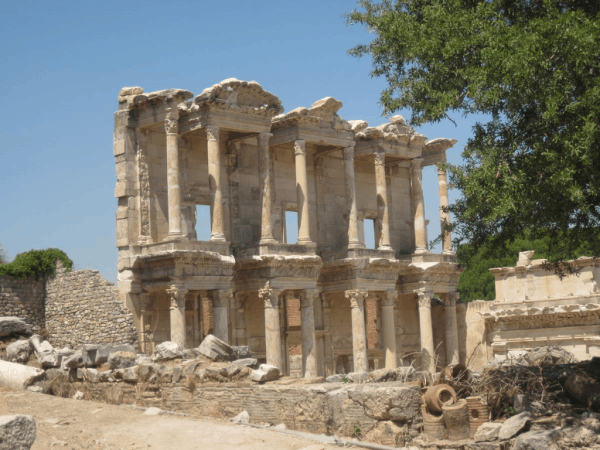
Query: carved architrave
[
  {"x": 357, "y": 297},
  {"x": 425, "y": 295},
  {"x": 177, "y": 296}
]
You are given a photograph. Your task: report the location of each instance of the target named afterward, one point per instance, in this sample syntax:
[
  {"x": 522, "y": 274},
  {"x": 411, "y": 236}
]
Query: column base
[
  {"x": 449, "y": 252},
  {"x": 352, "y": 245},
  {"x": 267, "y": 241},
  {"x": 218, "y": 238},
  {"x": 306, "y": 242},
  {"x": 421, "y": 251},
  {"x": 174, "y": 237}
]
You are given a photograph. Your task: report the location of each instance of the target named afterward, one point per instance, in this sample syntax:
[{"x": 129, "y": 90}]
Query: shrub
[{"x": 38, "y": 263}]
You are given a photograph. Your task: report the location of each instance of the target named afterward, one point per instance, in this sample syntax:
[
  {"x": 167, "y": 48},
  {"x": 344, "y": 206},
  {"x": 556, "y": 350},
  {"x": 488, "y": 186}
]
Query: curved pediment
[{"x": 234, "y": 92}]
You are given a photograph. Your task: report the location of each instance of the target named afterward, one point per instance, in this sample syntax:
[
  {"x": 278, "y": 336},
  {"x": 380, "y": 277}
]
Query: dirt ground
[{"x": 78, "y": 424}]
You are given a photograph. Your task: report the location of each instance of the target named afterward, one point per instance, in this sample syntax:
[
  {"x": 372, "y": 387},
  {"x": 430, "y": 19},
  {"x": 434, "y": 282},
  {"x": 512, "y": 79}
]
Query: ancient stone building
[{"x": 233, "y": 148}]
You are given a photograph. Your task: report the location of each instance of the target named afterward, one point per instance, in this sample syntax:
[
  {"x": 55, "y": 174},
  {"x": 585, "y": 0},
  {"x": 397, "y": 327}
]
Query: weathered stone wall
[
  {"x": 473, "y": 342},
  {"x": 82, "y": 307},
  {"x": 23, "y": 299}
]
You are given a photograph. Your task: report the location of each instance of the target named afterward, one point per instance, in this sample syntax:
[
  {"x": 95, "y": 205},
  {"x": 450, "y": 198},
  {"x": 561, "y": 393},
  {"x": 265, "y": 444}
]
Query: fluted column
[
  {"x": 177, "y": 314},
  {"x": 353, "y": 240},
  {"x": 359, "y": 333},
  {"x": 444, "y": 212},
  {"x": 217, "y": 230},
  {"x": 389, "y": 329},
  {"x": 382, "y": 202},
  {"x": 173, "y": 175},
  {"x": 264, "y": 175},
  {"x": 272, "y": 325},
  {"x": 302, "y": 193},
  {"x": 425, "y": 295},
  {"x": 307, "y": 316},
  {"x": 418, "y": 205},
  {"x": 221, "y": 300},
  {"x": 451, "y": 329}
]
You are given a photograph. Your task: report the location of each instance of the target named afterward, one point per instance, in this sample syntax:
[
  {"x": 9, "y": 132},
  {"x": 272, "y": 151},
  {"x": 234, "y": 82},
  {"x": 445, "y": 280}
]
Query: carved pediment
[{"x": 235, "y": 92}]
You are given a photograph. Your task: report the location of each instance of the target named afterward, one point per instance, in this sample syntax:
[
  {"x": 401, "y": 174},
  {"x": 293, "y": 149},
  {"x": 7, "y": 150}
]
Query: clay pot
[
  {"x": 433, "y": 425},
  {"x": 456, "y": 418},
  {"x": 437, "y": 396}
]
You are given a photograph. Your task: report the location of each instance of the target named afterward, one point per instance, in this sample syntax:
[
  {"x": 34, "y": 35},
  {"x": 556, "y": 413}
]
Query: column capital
[
  {"x": 416, "y": 164},
  {"x": 357, "y": 297},
  {"x": 451, "y": 299},
  {"x": 177, "y": 296},
  {"x": 308, "y": 297},
  {"x": 145, "y": 301},
  {"x": 348, "y": 153},
  {"x": 379, "y": 158},
  {"x": 300, "y": 147},
  {"x": 264, "y": 135},
  {"x": 425, "y": 295},
  {"x": 221, "y": 298},
  {"x": 171, "y": 126},
  {"x": 389, "y": 298},
  {"x": 269, "y": 296},
  {"x": 212, "y": 131}
]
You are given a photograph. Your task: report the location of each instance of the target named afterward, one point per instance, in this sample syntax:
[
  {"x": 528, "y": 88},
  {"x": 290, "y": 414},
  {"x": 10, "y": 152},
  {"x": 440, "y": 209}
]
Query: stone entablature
[
  {"x": 534, "y": 307},
  {"x": 233, "y": 148}
]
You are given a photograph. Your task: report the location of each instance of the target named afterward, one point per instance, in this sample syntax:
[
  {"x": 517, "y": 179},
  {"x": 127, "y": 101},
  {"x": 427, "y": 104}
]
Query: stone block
[
  {"x": 391, "y": 403},
  {"x": 487, "y": 432},
  {"x": 121, "y": 360},
  {"x": 17, "y": 376},
  {"x": 18, "y": 351},
  {"x": 241, "y": 352},
  {"x": 168, "y": 350},
  {"x": 241, "y": 419},
  {"x": 17, "y": 432},
  {"x": 214, "y": 348},
  {"x": 73, "y": 361},
  {"x": 265, "y": 372},
  {"x": 130, "y": 374},
  {"x": 538, "y": 440},
  {"x": 14, "y": 325},
  {"x": 514, "y": 425}
]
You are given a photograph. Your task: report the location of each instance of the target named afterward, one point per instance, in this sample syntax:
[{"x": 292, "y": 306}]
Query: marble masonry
[{"x": 233, "y": 148}]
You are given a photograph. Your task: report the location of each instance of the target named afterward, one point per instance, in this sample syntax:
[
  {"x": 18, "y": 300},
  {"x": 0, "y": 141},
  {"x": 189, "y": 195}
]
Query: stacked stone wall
[
  {"x": 23, "y": 299},
  {"x": 82, "y": 307}
]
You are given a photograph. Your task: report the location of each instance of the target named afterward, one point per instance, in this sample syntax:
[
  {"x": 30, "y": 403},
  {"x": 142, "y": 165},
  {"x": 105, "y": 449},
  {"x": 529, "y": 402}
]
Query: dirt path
[{"x": 77, "y": 424}]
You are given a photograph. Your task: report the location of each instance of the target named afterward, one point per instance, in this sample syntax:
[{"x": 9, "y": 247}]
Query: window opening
[
  {"x": 369, "y": 226},
  {"x": 203, "y": 222},
  {"x": 291, "y": 227}
]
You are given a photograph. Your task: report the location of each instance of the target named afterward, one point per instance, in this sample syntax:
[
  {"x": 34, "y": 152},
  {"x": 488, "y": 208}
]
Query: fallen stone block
[
  {"x": 95, "y": 354},
  {"x": 78, "y": 395},
  {"x": 583, "y": 389},
  {"x": 74, "y": 361},
  {"x": 391, "y": 403},
  {"x": 148, "y": 373},
  {"x": 165, "y": 374},
  {"x": 45, "y": 353},
  {"x": 514, "y": 425},
  {"x": 153, "y": 411},
  {"x": 105, "y": 376},
  {"x": 190, "y": 353},
  {"x": 17, "y": 376},
  {"x": 36, "y": 389},
  {"x": 18, "y": 351},
  {"x": 266, "y": 372},
  {"x": 13, "y": 325},
  {"x": 358, "y": 377},
  {"x": 17, "y": 432},
  {"x": 386, "y": 433},
  {"x": 168, "y": 350},
  {"x": 214, "y": 348},
  {"x": 241, "y": 352},
  {"x": 91, "y": 375},
  {"x": 487, "y": 432},
  {"x": 121, "y": 360},
  {"x": 130, "y": 374},
  {"x": 241, "y": 419},
  {"x": 538, "y": 440}
]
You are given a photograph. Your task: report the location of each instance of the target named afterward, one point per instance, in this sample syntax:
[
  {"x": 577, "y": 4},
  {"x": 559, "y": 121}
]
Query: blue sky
[{"x": 63, "y": 64}]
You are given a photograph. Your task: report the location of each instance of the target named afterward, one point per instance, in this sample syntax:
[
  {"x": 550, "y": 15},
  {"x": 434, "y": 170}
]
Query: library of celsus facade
[{"x": 234, "y": 149}]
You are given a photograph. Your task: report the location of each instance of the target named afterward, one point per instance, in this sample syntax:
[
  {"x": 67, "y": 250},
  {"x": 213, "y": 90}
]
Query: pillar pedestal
[{"x": 359, "y": 334}]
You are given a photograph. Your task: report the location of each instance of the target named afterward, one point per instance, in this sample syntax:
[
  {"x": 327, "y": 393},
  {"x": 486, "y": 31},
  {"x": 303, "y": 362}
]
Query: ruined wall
[
  {"x": 23, "y": 299},
  {"x": 473, "y": 343},
  {"x": 82, "y": 307}
]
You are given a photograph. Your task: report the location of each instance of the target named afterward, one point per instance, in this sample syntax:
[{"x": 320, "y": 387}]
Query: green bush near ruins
[{"x": 37, "y": 263}]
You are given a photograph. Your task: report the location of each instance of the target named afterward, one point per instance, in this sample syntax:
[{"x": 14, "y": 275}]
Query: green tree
[
  {"x": 531, "y": 67},
  {"x": 3, "y": 255},
  {"x": 37, "y": 263}
]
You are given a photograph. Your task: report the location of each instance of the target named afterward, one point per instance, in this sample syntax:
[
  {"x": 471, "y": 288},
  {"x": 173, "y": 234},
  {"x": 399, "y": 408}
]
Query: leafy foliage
[
  {"x": 477, "y": 282},
  {"x": 38, "y": 263},
  {"x": 3, "y": 255},
  {"x": 531, "y": 67}
]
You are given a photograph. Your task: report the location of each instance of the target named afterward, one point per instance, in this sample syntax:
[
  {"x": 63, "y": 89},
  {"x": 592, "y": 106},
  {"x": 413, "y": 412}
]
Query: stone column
[
  {"x": 359, "y": 333},
  {"x": 425, "y": 296},
  {"x": 353, "y": 240},
  {"x": 264, "y": 175},
  {"x": 451, "y": 329},
  {"x": 302, "y": 193},
  {"x": 444, "y": 213},
  {"x": 221, "y": 300},
  {"x": 177, "y": 314},
  {"x": 217, "y": 226},
  {"x": 418, "y": 206},
  {"x": 382, "y": 202},
  {"x": 328, "y": 346},
  {"x": 197, "y": 322},
  {"x": 272, "y": 328},
  {"x": 309, "y": 351},
  {"x": 389, "y": 329},
  {"x": 173, "y": 189}
]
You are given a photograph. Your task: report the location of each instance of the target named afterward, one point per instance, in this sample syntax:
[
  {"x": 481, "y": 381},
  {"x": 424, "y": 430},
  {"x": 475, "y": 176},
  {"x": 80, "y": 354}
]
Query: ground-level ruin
[{"x": 233, "y": 148}]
